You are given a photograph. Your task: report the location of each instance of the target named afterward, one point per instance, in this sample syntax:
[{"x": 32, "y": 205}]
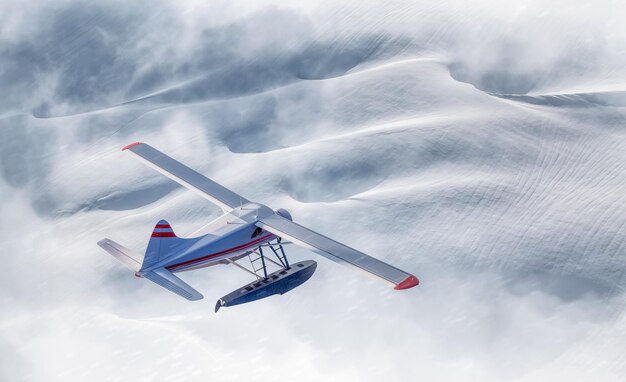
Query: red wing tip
[
  {"x": 409, "y": 282},
  {"x": 131, "y": 145}
]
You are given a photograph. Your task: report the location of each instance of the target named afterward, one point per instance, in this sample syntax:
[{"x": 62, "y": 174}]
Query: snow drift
[{"x": 479, "y": 146}]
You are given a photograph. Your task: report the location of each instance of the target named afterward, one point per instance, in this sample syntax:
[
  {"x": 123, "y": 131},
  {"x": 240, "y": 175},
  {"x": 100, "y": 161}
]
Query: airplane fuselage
[{"x": 230, "y": 236}]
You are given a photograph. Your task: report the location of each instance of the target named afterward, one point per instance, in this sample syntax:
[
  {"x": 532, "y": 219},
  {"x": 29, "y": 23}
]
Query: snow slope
[{"x": 481, "y": 147}]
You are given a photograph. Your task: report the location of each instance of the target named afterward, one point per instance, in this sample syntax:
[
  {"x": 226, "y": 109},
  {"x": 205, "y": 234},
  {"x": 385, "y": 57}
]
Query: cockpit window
[{"x": 256, "y": 232}]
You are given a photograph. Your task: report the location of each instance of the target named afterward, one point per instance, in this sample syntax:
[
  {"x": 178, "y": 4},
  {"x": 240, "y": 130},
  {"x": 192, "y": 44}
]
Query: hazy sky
[{"x": 479, "y": 146}]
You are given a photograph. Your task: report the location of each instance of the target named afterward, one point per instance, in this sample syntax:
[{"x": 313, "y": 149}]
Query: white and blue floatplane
[{"x": 246, "y": 229}]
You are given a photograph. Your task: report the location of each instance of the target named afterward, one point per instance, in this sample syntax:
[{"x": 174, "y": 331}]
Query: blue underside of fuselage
[
  {"x": 203, "y": 251},
  {"x": 212, "y": 259}
]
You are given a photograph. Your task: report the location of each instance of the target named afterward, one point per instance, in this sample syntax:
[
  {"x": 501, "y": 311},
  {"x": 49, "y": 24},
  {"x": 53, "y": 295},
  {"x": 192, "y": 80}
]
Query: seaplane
[{"x": 246, "y": 230}]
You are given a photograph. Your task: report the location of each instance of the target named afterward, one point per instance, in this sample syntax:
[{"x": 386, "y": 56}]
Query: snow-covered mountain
[{"x": 479, "y": 146}]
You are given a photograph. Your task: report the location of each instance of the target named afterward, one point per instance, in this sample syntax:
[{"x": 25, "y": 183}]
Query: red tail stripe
[
  {"x": 163, "y": 234},
  {"x": 163, "y": 226}
]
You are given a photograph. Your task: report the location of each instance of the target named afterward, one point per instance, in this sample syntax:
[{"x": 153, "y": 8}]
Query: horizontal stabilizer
[
  {"x": 127, "y": 257},
  {"x": 169, "y": 281}
]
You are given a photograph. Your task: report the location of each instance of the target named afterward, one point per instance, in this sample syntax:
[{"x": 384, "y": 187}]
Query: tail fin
[{"x": 161, "y": 244}]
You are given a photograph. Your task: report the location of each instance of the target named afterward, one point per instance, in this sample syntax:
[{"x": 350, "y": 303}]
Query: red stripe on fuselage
[{"x": 201, "y": 259}]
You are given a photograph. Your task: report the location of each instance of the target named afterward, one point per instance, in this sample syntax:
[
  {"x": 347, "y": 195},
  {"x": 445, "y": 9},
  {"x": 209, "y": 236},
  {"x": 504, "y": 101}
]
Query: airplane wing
[
  {"x": 169, "y": 281},
  {"x": 187, "y": 177},
  {"x": 336, "y": 251}
]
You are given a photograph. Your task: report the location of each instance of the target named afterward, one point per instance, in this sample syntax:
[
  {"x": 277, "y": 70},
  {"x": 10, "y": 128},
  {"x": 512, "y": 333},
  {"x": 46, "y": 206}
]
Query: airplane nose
[{"x": 284, "y": 213}]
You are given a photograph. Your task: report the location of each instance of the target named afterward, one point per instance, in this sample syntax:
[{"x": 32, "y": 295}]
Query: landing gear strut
[{"x": 279, "y": 282}]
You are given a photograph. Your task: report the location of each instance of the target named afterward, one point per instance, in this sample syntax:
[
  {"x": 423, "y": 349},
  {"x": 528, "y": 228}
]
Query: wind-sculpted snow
[
  {"x": 572, "y": 100},
  {"x": 481, "y": 147}
]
